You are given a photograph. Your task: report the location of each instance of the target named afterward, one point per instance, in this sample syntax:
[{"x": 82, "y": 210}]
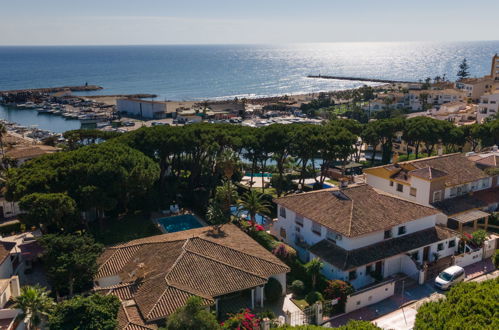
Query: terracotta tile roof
[
  {"x": 460, "y": 169},
  {"x": 160, "y": 273},
  {"x": 428, "y": 173},
  {"x": 354, "y": 211},
  {"x": 491, "y": 160},
  {"x": 478, "y": 200},
  {"x": 346, "y": 260},
  {"x": 129, "y": 318},
  {"x": 5, "y": 248}
]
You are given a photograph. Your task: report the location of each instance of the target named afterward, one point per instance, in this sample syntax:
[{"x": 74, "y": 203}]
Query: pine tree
[{"x": 463, "y": 70}]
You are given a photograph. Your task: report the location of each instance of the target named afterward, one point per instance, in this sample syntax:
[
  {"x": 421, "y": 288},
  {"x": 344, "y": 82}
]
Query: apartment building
[{"x": 488, "y": 107}]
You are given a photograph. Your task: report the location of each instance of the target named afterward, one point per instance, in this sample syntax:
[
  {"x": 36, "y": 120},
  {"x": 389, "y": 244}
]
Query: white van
[{"x": 449, "y": 277}]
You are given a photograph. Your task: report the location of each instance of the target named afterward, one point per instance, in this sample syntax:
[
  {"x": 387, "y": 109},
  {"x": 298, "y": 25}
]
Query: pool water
[
  {"x": 259, "y": 174},
  {"x": 179, "y": 223},
  {"x": 260, "y": 219}
]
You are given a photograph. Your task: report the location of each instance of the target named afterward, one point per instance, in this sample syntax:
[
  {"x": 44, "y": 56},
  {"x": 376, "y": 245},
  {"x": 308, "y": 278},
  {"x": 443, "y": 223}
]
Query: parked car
[{"x": 449, "y": 277}]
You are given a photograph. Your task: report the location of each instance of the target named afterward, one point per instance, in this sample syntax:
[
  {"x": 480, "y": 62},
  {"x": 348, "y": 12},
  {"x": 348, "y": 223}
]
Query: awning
[{"x": 470, "y": 216}]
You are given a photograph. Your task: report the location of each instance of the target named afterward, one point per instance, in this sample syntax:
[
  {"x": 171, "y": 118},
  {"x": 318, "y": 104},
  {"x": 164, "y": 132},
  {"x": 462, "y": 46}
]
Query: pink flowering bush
[{"x": 245, "y": 320}]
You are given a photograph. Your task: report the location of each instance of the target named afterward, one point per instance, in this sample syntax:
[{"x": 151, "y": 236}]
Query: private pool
[
  {"x": 260, "y": 219},
  {"x": 179, "y": 223},
  {"x": 259, "y": 174}
]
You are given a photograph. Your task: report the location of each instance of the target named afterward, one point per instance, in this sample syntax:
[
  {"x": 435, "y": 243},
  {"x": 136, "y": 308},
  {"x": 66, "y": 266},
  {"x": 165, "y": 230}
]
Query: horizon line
[{"x": 243, "y": 44}]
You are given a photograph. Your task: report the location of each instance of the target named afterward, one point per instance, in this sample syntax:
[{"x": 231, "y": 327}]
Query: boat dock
[
  {"x": 54, "y": 89},
  {"x": 385, "y": 81}
]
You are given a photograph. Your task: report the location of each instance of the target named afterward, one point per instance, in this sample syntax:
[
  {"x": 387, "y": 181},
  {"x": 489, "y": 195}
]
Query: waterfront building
[
  {"x": 488, "y": 107},
  {"x": 144, "y": 109}
]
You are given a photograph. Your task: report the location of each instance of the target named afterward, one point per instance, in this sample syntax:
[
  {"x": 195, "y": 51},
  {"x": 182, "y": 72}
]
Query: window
[
  {"x": 299, "y": 220},
  {"x": 440, "y": 246},
  {"x": 400, "y": 187},
  {"x": 297, "y": 229},
  {"x": 453, "y": 192},
  {"x": 283, "y": 232},
  {"x": 437, "y": 196},
  {"x": 316, "y": 228},
  {"x": 413, "y": 191},
  {"x": 452, "y": 243},
  {"x": 391, "y": 183},
  {"x": 282, "y": 212},
  {"x": 388, "y": 234},
  {"x": 402, "y": 230},
  {"x": 352, "y": 275},
  {"x": 331, "y": 236},
  {"x": 485, "y": 183}
]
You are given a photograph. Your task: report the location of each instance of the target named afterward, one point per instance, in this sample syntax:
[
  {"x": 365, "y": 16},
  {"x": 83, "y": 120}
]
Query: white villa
[{"x": 363, "y": 235}]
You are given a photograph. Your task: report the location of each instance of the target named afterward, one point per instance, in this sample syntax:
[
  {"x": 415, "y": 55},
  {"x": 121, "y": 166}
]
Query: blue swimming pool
[
  {"x": 179, "y": 223},
  {"x": 259, "y": 174},
  {"x": 260, "y": 219}
]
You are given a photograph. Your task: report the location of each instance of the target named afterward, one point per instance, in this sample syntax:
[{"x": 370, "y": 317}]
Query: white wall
[
  {"x": 10, "y": 209},
  {"x": 6, "y": 270},
  {"x": 282, "y": 279},
  {"x": 469, "y": 258},
  {"x": 422, "y": 188},
  {"x": 368, "y": 297},
  {"x": 134, "y": 107}
]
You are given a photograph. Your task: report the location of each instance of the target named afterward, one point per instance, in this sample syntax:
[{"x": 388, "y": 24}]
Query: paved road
[{"x": 405, "y": 317}]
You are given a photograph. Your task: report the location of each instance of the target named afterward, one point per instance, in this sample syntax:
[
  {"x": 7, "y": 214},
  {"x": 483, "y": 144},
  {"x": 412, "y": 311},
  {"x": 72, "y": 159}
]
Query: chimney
[
  {"x": 440, "y": 150},
  {"x": 495, "y": 148},
  {"x": 343, "y": 183}
]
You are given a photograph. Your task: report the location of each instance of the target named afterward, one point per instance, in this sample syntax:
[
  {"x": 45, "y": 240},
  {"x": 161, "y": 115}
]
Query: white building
[
  {"x": 144, "y": 109},
  {"x": 475, "y": 87},
  {"x": 433, "y": 98},
  {"x": 488, "y": 107},
  {"x": 362, "y": 235}
]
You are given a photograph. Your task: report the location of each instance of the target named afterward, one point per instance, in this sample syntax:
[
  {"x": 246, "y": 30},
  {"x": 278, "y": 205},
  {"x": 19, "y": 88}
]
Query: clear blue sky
[{"x": 100, "y": 22}]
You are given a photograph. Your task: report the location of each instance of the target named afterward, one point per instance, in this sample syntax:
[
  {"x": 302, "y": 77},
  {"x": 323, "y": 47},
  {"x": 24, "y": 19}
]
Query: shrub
[
  {"x": 264, "y": 238},
  {"x": 338, "y": 289},
  {"x": 313, "y": 296},
  {"x": 284, "y": 252},
  {"x": 273, "y": 290},
  {"x": 478, "y": 237},
  {"x": 468, "y": 305},
  {"x": 495, "y": 258},
  {"x": 297, "y": 287},
  {"x": 243, "y": 320}
]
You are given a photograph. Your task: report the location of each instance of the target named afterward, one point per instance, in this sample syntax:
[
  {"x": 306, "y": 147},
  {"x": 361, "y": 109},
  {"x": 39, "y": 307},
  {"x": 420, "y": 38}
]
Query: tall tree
[
  {"x": 193, "y": 316},
  {"x": 314, "y": 268},
  {"x": 94, "y": 312},
  {"x": 35, "y": 304},
  {"x": 463, "y": 70},
  {"x": 57, "y": 211},
  {"x": 70, "y": 262}
]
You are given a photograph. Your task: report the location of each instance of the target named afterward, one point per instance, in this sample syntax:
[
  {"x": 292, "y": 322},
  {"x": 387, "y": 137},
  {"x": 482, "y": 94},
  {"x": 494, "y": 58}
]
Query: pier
[
  {"x": 50, "y": 90},
  {"x": 385, "y": 81}
]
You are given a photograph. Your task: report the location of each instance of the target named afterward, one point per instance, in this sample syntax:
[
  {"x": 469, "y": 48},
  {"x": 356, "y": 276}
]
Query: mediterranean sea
[{"x": 198, "y": 72}]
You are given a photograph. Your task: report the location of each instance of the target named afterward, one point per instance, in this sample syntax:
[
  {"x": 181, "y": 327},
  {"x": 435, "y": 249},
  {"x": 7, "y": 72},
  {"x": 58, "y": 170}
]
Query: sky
[{"x": 123, "y": 22}]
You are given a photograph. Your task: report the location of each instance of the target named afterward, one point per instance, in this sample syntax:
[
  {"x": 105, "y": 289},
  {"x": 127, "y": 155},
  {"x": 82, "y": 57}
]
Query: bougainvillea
[{"x": 245, "y": 320}]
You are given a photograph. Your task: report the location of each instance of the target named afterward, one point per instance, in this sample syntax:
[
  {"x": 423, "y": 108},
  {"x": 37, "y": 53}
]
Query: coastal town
[{"x": 367, "y": 208}]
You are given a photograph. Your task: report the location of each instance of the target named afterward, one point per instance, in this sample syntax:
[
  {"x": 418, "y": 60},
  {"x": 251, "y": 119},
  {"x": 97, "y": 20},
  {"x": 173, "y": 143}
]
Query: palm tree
[
  {"x": 225, "y": 194},
  {"x": 313, "y": 268},
  {"x": 35, "y": 304},
  {"x": 254, "y": 204}
]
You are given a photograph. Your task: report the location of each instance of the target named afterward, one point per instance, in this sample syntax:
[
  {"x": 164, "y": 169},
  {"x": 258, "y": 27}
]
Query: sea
[{"x": 199, "y": 72}]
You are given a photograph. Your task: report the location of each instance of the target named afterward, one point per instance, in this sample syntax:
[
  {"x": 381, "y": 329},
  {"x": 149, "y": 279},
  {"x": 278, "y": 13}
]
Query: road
[{"x": 404, "y": 318}]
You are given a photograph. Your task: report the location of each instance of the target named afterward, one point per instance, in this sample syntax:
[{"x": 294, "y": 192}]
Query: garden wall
[
  {"x": 469, "y": 258},
  {"x": 371, "y": 295}
]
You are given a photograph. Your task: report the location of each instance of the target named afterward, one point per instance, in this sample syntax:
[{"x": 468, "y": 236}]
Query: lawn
[{"x": 123, "y": 229}]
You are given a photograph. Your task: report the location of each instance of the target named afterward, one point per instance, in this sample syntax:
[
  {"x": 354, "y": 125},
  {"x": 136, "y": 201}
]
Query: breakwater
[
  {"x": 385, "y": 81},
  {"x": 83, "y": 88}
]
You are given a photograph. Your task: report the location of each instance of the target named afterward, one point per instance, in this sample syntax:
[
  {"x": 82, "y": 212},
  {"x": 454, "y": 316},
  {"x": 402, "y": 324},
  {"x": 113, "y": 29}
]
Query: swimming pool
[
  {"x": 259, "y": 174},
  {"x": 260, "y": 219},
  {"x": 179, "y": 223}
]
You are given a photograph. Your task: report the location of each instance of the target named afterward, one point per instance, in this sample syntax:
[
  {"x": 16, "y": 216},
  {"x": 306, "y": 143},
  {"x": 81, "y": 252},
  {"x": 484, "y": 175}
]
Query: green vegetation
[
  {"x": 193, "y": 316},
  {"x": 463, "y": 70},
  {"x": 95, "y": 312},
  {"x": 314, "y": 296},
  {"x": 121, "y": 229},
  {"x": 351, "y": 325},
  {"x": 313, "y": 269},
  {"x": 495, "y": 258},
  {"x": 469, "y": 305},
  {"x": 70, "y": 262},
  {"x": 57, "y": 210},
  {"x": 337, "y": 289},
  {"x": 273, "y": 290},
  {"x": 35, "y": 304}
]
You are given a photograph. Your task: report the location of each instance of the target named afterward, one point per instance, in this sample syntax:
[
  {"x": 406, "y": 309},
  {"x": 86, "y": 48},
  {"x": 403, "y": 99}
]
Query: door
[
  {"x": 379, "y": 268},
  {"x": 426, "y": 254}
]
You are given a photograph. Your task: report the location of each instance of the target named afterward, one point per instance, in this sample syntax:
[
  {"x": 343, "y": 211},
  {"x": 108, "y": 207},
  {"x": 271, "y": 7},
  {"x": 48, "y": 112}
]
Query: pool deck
[{"x": 155, "y": 216}]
